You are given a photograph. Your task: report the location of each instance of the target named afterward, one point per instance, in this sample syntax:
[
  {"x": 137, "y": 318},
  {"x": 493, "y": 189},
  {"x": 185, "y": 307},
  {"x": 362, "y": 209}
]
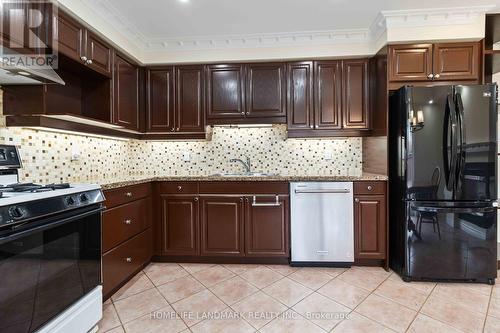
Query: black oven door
[{"x": 46, "y": 266}]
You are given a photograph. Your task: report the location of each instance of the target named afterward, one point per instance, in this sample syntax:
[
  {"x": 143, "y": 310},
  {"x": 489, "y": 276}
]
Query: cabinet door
[
  {"x": 99, "y": 53},
  {"x": 189, "y": 107},
  {"x": 355, "y": 104},
  {"x": 328, "y": 94},
  {"x": 266, "y": 227},
  {"x": 370, "y": 227},
  {"x": 126, "y": 93},
  {"x": 299, "y": 95},
  {"x": 225, "y": 94},
  {"x": 410, "y": 62},
  {"x": 222, "y": 226},
  {"x": 265, "y": 90},
  {"x": 456, "y": 61},
  {"x": 160, "y": 99},
  {"x": 179, "y": 220},
  {"x": 69, "y": 36}
]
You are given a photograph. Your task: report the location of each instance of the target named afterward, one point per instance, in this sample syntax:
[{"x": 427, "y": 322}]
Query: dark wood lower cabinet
[
  {"x": 180, "y": 221},
  {"x": 127, "y": 237},
  {"x": 266, "y": 226},
  {"x": 370, "y": 226},
  {"x": 222, "y": 226}
]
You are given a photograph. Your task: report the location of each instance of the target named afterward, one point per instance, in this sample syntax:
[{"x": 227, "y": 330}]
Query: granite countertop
[{"x": 289, "y": 178}]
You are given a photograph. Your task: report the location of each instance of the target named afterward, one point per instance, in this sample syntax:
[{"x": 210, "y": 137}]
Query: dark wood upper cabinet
[
  {"x": 98, "y": 53},
  {"x": 456, "y": 61},
  {"x": 189, "y": 98},
  {"x": 425, "y": 63},
  {"x": 328, "y": 94},
  {"x": 356, "y": 94},
  {"x": 225, "y": 93},
  {"x": 180, "y": 220},
  {"x": 160, "y": 100},
  {"x": 126, "y": 93},
  {"x": 300, "y": 95},
  {"x": 266, "y": 227},
  {"x": 69, "y": 35},
  {"x": 265, "y": 90},
  {"x": 370, "y": 227},
  {"x": 222, "y": 226},
  {"x": 410, "y": 62}
]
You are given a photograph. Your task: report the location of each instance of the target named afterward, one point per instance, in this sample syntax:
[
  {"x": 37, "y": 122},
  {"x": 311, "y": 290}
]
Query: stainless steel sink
[{"x": 245, "y": 174}]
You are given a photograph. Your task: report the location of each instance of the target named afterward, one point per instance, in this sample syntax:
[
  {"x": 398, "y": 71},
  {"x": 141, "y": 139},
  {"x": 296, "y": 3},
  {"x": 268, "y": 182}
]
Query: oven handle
[{"x": 43, "y": 227}]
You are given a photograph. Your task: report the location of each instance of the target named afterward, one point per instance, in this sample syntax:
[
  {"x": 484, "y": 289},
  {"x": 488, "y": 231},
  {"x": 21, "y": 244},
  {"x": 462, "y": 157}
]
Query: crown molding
[{"x": 375, "y": 36}]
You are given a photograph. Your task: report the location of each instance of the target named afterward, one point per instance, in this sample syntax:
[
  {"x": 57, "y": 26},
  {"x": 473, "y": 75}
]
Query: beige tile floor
[{"x": 167, "y": 297}]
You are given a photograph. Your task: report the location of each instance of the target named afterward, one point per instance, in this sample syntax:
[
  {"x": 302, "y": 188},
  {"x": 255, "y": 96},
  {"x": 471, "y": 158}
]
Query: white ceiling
[
  {"x": 175, "y": 18},
  {"x": 171, "y": 24}
]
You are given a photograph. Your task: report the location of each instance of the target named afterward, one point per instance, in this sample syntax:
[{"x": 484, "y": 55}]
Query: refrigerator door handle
[
  {"x": 450, "y": 163},
  {"x": 460, "y": 143}
]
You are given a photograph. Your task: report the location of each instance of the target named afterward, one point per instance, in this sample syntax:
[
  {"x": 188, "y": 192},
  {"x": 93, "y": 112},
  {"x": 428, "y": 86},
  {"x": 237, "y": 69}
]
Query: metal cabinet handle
[
  {"x": 356, "y": 199},
  {"x": 177, "y": 129},
  {"x": 128, "y": 194},
  {"x": 128, "y": 259},
  {"x": 243, "y": 112},
  {"x": 196, "y": 199},
  {"x": 241, "y": 199},
  {"x": 430, "y": 76},
  {"x": 266, "y": 204},
  {"x": 84, "y": 59},
  {"x": 179, "y": 188},
  {"x": 89, "y": 62},
  {"x": 369, "y": 188},
  {"x": 172, "y": 129},
  {"x": 437, "y": 76},
  {"x": 311, "y": 126},
  {"x": 128, "y": 221}
]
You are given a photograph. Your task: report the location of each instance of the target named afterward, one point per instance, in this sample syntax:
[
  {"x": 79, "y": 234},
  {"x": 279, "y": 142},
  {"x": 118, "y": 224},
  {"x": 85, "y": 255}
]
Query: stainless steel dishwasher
[{"x": 322, "y": 223}]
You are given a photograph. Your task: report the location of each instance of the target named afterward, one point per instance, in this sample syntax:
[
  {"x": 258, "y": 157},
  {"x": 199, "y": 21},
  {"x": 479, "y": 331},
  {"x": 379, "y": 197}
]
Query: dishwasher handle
[
  {"x": 342, "y": 190},
  {"x": 266, "y": 204}
]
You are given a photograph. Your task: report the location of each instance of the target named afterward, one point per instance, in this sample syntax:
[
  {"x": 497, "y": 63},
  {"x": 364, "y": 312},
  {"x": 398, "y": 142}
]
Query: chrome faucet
[{"x": 246, "y": 164}]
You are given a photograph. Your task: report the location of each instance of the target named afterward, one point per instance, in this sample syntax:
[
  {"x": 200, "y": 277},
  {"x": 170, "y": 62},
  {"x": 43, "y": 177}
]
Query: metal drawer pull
[
  {"x": 128, "y": 221},
  {"x": 369, "y": 187},
  {"x": 128, "y": 194},
  {"x": 266, "y": 204},
  {"x": 128, "y": 259},
  {"x": 324, "y": 191}
]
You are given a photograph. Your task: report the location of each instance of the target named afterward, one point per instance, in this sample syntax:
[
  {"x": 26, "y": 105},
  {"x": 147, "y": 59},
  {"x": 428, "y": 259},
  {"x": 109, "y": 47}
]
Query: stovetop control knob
[
  {"x": 17, "y": 212},
  {"x": 70, "y": 201},
  {"x": 84, "y": 197}
]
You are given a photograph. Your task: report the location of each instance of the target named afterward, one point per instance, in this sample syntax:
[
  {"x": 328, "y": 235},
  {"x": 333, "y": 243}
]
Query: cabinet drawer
[
  {"x": 124, "y": 260},
  {"x": 122, "y": 222},
  {"x": 369, "y": 187},
  {"x": 179, "y": 187},
  {"x": 126, "y": 194}
]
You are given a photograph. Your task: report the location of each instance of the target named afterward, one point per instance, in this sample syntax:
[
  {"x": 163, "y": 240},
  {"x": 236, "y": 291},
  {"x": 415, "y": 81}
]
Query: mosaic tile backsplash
[{"x": 47, "y": 155}]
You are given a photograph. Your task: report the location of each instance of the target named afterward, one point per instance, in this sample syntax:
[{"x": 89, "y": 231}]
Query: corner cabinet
[
  {"x": 175, "y": 102},
  {"x": 430, "y": 64},
  {"x": 328, "y": 98},
  {"x": 126, "y": 93},
  {"x": 370, "y": 220},
  {"x": 179, "y": 220}
]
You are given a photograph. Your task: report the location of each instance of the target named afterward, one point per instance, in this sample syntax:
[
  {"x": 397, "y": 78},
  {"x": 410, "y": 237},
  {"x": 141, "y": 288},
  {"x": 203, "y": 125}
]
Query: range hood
[{"x": 14, "y": 74}]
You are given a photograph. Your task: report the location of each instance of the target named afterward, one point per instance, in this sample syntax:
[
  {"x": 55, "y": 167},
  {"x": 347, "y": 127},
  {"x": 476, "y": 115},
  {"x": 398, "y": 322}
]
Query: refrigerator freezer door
[
  {"x": 477, "y": 129},
  {"x": 450, "y": 243},
  {"x": 430, "y": 143}
]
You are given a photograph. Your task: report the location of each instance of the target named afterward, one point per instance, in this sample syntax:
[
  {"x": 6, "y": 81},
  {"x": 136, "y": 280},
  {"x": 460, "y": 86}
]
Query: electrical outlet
[
  {"x": 186, "y": 156},
  {"x": 327, "y": 156},
  {"x": 75, "y": 153}
]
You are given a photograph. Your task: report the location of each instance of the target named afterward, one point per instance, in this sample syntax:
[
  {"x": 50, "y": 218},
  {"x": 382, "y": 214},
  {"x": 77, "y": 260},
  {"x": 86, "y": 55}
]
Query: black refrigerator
[{"x": 443, "y": 183}]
